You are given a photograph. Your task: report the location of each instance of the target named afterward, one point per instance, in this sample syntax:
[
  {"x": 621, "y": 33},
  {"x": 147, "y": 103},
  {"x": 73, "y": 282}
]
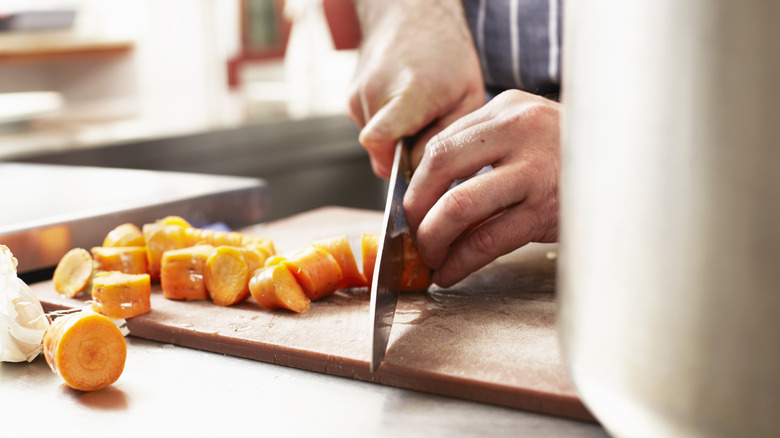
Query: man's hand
[
  {"x": 462, "y": 229},
  {"x": 418, "y": 70}
]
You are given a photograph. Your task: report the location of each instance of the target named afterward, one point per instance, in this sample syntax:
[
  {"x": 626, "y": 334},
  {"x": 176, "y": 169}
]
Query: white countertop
[{"x": 195, "y": 393}]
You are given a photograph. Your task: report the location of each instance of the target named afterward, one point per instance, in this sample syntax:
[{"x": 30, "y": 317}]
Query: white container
[{"x": 670, "y": 215}]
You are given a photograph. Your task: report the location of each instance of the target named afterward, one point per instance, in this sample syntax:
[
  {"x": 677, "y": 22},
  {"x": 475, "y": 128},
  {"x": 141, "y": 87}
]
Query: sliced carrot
[
  {"x": 124, "y": 235},
  {"x": 120, "y": 295},
  {"x": 255, "y": 258},
  {"x": 227, "y": 276},
  {"x": 276, "y": 287},
  {"x": 73, "y": 273},
  {"x": 275, "y": 260},
  {"x": 417, "y": 275},
  {"x": 339, "y": 248},
  {"x": 160, "y": 238},
  {"x": 181, "y": 273},
  {"x": 86, "y": 349},
  {"x": 174, "y": 220},
  {"x": 316, "y": 271},
  {"x": 369, "y": 245},
  {"x": 128, "y": 259}
]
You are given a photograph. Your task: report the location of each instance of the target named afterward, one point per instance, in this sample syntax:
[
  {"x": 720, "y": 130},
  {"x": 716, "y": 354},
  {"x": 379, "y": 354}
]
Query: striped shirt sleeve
[{"x": 518, "y": 43}]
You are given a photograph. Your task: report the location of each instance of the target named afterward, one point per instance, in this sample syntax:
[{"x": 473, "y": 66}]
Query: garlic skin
[{"x": 23, "y": 322}]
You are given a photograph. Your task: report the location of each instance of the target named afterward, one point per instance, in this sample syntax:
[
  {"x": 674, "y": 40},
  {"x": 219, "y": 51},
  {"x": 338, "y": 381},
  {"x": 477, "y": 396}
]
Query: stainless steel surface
[
  {"x": 386, "y": 283},
  {"x": 307, "y": 163},
  {"x": 670, "y": 239},
  {"x": 177, "y": 391},
  {"x": 49, "y": 209}
]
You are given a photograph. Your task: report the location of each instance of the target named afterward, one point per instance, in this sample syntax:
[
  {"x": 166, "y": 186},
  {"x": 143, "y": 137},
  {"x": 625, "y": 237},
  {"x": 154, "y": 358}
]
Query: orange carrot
[
  {"x": 417, "y": 275},
  {"x": 128, "y": 259},
  {"x": 174, "y": 220},
  {"x": 316, "y": 271},
  {"x": 181, "y": 273},
  {"x": 86, "y": 349},
  {"x": 255, "y": 257},
  {"x": 73, "y": 272},
  {"x": 275, "y": 287},
  {"x": 339, "y": 248},
  {"x": 124, "y": 235},
  {"x": 369, "y": 245},
  {"x": 119, "y": 295},
  {"x": 227, "y": 276},
  {"x": 160, "y": 238},
  {"x": 275, "y": 260}
]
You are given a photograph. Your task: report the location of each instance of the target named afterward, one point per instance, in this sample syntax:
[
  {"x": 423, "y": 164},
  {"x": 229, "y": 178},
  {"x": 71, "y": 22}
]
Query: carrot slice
[
  {"x": 121, "y": 295},
  {"x": 86, "y": 349},
  {"x": 128, "y": 259},
  {"x": 275, "y": 260},
  {"x": 181, "y": 273},
  {"x": 160, "y": 238},
  {"x": 174, "y": 220},
  {"x": 227, "y": 276},
  {"x": 369, "y": 245},
  {"x": 316, "y": 271},
  {"x": 124, "y": 235},
  {"x": 339, "y": 248},
  {"x": 417, "y": 275},
  {"x": 255, "y": 257},
  {"x": 73, "y": 273},
  {"x": 276, "y": 287}
]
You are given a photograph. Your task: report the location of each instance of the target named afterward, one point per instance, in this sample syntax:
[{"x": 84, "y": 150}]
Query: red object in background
[{"x": 342, "y": 21}]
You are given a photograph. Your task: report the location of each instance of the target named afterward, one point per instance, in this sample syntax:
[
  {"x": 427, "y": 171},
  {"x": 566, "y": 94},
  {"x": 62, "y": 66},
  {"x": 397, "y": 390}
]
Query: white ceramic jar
[{"x": 670, "y": 216}]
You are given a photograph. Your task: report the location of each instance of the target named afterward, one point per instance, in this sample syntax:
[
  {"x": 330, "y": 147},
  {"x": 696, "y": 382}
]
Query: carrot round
[
  {"x": 182, "y": 271},
  {"x": 339, "y": 248},
  {"x": 124, "y": 235},
  {"x": 160, "y": 238},
  {"x": 227, "y": 276},
  {"x": 369, "y": 245},
  {"x": 121, "y": 295},
  {"x": 73, "y": 273},
  {"x": 86, "y": 349},
  {"x": 417, "y": 275},
  {"x": 276, "y": 287},
  {"x": 316, "y": 271},
  {"x": 128, "y": 259}
]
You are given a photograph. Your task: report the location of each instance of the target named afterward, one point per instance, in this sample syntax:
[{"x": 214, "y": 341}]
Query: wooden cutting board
[{"x": 491, "y": 338}]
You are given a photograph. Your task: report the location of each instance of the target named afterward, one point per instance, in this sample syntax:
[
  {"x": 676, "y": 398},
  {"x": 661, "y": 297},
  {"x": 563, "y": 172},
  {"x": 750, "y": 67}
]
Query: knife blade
[{"x": 389, "y": 262}]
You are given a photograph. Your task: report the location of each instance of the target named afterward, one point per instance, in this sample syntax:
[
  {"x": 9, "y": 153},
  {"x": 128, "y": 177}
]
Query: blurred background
[{"x": 239, "y": 87}]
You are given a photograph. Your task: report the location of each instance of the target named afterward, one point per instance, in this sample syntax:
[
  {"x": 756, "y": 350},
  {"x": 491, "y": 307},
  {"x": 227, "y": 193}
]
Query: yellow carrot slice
[
  {"x": 124, "y": 235},
  {"x": 174, "y": 220},
  {"x": 128, "y": 259},
  {"x": 160, "y": 238},
  {"x": 369, "y": 244},
  {"x": 275, "y": 287},
  {"x": 86, "y": 349},
  {"x": 73, "y": 273},
  {"x": 182, "y": 271},
  {"x": 227, "y": 276},
  {"x": 119, "y": 295},
  {"x": 275, "y": 260},
  {"x": 339, "y": 248},
  {"x": 316, "y": 271}
]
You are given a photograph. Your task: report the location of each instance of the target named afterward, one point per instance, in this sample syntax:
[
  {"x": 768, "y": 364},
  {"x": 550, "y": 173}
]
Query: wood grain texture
[{"x": 491, "y": 338}]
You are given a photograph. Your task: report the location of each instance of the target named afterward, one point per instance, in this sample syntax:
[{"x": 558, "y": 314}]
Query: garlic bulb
[{"x": 22, "y": 319}]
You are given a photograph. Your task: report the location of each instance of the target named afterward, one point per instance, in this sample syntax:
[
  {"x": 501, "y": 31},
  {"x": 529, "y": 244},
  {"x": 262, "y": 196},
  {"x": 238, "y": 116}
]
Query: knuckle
[
  {"x": 483, "y": 241},
  {"x": 437, "y": 152},
  {"x": 458, "y": 204}
]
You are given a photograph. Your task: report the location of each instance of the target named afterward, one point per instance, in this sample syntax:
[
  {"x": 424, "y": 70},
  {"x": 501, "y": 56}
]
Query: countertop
[{"x": 195, "y": 393}]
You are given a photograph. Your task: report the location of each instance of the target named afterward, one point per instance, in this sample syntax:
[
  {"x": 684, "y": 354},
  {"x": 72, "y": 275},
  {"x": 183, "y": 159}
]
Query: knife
[{"x": 389, "y": 262}]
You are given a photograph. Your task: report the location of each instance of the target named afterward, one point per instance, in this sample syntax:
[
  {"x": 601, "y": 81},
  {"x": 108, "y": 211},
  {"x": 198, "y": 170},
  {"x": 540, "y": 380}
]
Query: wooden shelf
[{"x": 46, "y": 46}]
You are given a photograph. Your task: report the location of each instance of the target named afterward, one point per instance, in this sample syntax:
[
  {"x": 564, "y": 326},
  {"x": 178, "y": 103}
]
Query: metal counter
[{"x": 45, "y": 210}]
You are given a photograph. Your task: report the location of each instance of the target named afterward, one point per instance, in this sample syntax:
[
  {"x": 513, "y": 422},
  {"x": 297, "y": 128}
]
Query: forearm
[{"x": 374, "y": 15}]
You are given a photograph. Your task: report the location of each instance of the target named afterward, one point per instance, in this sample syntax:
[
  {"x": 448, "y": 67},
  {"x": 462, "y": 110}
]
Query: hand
[
  {"x": 417, "y": 68},
  {"x": 461, "y": 230}
]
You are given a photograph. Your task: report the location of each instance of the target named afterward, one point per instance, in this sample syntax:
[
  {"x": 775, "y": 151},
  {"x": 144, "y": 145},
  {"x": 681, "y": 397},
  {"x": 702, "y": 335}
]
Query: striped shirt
[{"x": 519, "y": 43}]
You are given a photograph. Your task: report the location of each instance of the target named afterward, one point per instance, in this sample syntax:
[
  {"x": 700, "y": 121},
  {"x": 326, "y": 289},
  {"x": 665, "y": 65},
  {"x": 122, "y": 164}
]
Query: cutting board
[{"x": 490, "y": 338}]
